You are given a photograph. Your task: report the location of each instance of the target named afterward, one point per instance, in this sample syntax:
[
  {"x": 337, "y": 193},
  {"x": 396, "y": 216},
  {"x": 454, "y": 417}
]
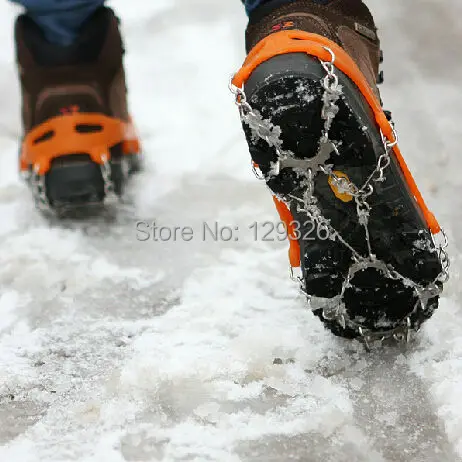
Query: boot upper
[{"x": 349, "y": 23}]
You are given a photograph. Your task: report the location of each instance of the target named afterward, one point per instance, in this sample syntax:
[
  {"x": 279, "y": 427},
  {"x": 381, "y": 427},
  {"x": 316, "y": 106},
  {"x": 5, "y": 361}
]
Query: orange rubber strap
[
  {"x": 59, "y": 136},
  {"x": 288, "y": 220},
  {"x": 295, "y": 41}
]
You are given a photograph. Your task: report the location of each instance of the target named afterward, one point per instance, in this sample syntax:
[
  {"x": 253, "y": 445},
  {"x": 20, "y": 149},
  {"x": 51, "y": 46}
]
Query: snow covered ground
[{"x": 112, "y": 349}]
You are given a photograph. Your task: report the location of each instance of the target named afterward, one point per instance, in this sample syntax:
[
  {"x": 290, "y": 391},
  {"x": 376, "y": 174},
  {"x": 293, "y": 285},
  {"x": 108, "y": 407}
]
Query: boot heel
[{"x": 74, "y": 181}]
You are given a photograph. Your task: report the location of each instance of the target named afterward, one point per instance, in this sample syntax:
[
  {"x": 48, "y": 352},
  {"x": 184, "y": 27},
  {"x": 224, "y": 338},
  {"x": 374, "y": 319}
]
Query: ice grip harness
[
  {"x": 93, "y": 134},
  {"x": 79, "y": 133},
  {"x": 295, "y": 41},
  {"x": 328, "y": 53}
]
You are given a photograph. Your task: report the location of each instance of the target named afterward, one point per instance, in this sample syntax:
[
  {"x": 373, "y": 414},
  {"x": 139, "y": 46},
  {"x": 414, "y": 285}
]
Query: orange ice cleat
[
  {"x": 80, "y": 144},
  {"x": 315, "y": 126}
]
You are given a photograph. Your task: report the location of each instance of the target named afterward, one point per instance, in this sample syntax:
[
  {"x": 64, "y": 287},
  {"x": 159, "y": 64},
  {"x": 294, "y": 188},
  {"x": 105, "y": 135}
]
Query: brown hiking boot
[
  {"x": 79, "y": 143},
  {"x": 348, "y": 23},
  {"x": 358, "y": 226}
]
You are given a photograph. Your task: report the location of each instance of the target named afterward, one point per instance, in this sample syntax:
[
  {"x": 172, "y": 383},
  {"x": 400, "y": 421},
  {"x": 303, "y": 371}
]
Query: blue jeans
[{"x": 61, "y": 19}]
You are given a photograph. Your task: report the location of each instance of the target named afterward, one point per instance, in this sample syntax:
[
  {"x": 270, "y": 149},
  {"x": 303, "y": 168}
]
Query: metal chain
[
  {"x": 332, "y": 92},
  {"x": 39, "y": 191},
  {"x": 443, "y": 256},
  {"x": 335, "y": 309},
  {"x": 106, "y": 172}
]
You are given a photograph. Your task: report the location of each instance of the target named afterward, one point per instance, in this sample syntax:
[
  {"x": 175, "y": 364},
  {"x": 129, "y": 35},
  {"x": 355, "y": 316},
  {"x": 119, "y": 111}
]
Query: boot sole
[
  {"x": 76, "y": 181},
  {"x": 287, "y": 90}
]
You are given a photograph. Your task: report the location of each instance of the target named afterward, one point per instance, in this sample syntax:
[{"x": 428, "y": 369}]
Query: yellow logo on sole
[{"x": 336, "y": 189}]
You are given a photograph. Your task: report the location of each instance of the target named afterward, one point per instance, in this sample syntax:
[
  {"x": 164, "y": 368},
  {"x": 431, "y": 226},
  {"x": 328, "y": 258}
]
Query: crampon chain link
[{"x": 308, "y": 204}]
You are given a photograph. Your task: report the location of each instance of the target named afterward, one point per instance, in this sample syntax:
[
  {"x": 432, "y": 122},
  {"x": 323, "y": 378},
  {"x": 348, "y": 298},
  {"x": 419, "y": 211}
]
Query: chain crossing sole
[{"x": 287, "y": 90}]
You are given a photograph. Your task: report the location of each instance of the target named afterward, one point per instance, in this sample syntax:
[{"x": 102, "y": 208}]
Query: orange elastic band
[
  {"x": 288, "y": 220},
  {"x": 78, "y": 133}
]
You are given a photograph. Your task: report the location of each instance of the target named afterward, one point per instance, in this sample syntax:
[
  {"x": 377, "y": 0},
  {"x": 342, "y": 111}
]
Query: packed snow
[{"x": 115, "y": 348}]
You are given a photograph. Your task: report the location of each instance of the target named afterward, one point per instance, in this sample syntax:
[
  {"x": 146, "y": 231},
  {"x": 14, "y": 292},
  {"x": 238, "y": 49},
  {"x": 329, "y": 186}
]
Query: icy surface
[{"x": 117, "y": 350}]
